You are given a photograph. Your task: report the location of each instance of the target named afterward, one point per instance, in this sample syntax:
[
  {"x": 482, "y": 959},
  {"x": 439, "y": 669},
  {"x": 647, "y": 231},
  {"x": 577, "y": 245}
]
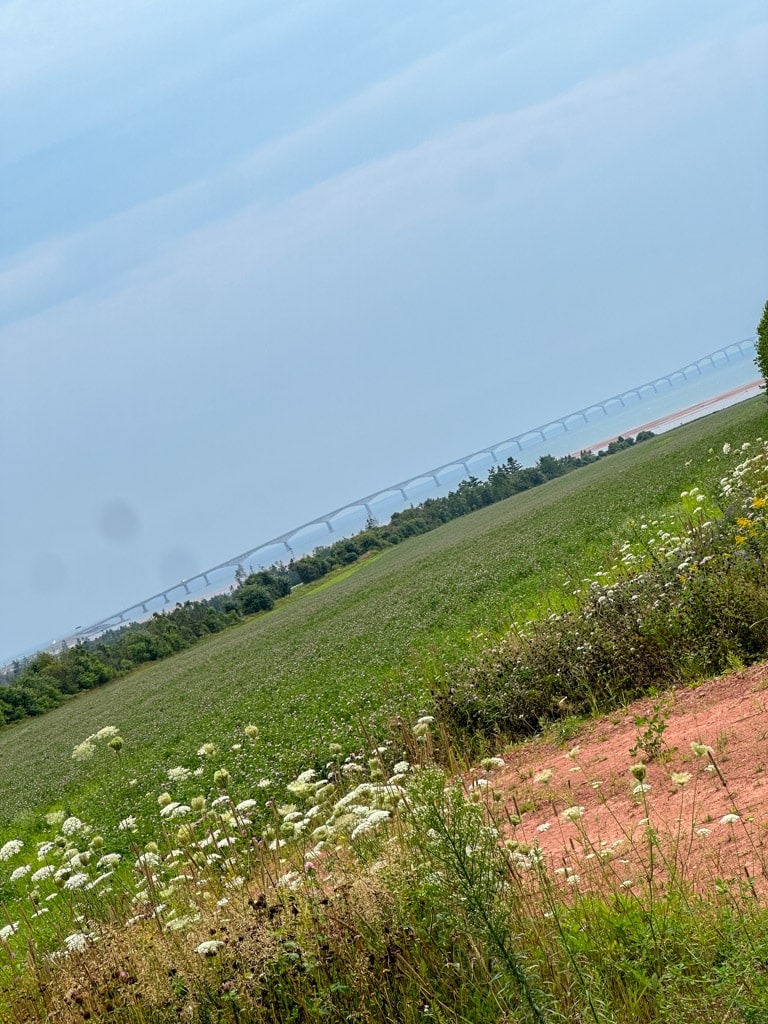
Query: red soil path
[{"x": 729, "y": 714}]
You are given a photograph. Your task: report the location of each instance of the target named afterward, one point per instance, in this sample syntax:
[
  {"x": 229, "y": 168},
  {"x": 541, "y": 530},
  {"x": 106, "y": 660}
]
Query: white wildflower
[
  {"x": 209, "y": 948},
  {"x": 9, "y": 929},
  {"x": 178, "y": 774},
  {"x": 11, "y": 848},
  {"x": 106, "y": 733},
  {"x": 72, "y": 825},
  {"x": 44, "y": 872},
  {"x": 20, "y": 872},
  {"x": 76, "y": 881},
  {"x": 729, "y": 819},
  {"x": 76, "y": 942},
  {"x": 572, "y": 813},
  {"x": 127, "y": 824}
]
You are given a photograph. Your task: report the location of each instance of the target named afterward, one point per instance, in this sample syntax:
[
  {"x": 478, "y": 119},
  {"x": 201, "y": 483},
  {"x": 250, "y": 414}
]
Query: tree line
[{"x": 47, "y": 680}]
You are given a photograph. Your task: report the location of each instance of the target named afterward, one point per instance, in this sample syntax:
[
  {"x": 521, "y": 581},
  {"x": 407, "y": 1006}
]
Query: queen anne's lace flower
[{"x": 11, "y": 848}]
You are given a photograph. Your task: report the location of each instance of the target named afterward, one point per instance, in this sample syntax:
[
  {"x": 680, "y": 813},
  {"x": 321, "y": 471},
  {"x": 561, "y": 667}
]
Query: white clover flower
[
  {"x": 76, "y": 881},
  {"x": 209, "y": 948},
  {"x": 44, "y": 872},
  {"x": 76, "y": 942},
  {"x": 20, "y": 872},
  {"x": 729, "y": 819},
  {"x": 11, "y": 848},
  {"x": 572, "y": 813}
]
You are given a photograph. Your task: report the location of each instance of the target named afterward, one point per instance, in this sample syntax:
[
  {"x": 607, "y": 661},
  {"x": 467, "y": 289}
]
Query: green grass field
[{"x": 358, "y": 652}]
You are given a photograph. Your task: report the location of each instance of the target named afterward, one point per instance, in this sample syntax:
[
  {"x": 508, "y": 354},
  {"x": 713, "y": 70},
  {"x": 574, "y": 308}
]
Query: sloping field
[{"x": 358, "y": 652}]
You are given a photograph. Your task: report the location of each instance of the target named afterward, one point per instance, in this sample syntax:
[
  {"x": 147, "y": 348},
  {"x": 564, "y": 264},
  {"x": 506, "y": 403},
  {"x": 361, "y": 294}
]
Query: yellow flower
[
  {"x": 743, "y": 523},
  {"x": 759, "y": 502},
  {"x": 740, "y": 539}
]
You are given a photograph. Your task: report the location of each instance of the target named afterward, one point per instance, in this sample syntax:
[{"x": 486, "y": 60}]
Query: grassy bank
[{"x": 365, "y": 649}]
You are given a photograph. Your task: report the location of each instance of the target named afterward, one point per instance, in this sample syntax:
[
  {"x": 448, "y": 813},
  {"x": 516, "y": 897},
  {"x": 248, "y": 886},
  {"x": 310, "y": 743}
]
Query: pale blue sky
[{"x": 259, "y": 258}]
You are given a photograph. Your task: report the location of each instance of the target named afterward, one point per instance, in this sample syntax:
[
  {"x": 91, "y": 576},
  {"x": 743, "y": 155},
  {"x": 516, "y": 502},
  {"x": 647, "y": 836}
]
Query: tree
[{"x": 762, "y": 344}]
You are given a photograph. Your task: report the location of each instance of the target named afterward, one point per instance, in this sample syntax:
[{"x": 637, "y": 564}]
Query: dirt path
[{"x": 611, "y": 837}]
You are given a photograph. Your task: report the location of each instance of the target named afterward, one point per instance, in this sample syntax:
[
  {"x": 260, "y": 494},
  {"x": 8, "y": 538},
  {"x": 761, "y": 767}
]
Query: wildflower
[
  {"x": 573, "y": 753},
  {"x": 572, "y": 813},
  {"x": 54, "y": 818},
  {"x": 544, "y": 775},
  {"x": 252, "y": 732},
  {"x": 84, "y": 751},
  {"x": 209, "y": 948},
  {"x": 127, "y": 824},
  {"x": 178, "y": 774},
  {"x": 700, "y": 749},
  {"x": 729, "y": 819},
  {"x": 638, "y": 771},
  {"x": 11, "y": 848},
  {"x": 207, "y": 750},
  {"x": 489, "y": 763},
  {"x": 8, "y": 930},
  {"x": 198, "y": 804},
  {"x": 420, "y": 729},
  {"x": 544, "y": 827},
  {"x": 109, "y": 860},
  {"x": 44, "y": 872},
  {"x": 641, "y": 787},
  {"x": 703, "y": 831},
  {"x": 76, "y": 881},
  {"x": 264, "y": 783},
  {"x": 76, "y": 942},
  {"x": 680, "y": 778},
  {"x": 165, "y": 799},
  {"x": 369, "y": 823},
  {"x": 20, "y": 872},
  {"x": 759, "y": 502},
  {"x": 106, "y": 733},
  {"x": 72, "y": 825},
  {"x": 221, "y": 778},
  {"x": 245, "y": 805}
]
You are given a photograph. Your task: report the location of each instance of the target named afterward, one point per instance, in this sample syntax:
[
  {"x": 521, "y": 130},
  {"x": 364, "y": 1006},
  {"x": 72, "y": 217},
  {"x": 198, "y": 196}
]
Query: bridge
[{"x": 280, "y": 547}]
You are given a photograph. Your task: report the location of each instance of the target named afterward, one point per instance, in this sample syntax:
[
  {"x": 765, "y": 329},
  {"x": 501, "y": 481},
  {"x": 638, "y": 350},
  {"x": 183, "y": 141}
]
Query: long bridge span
[{"x": 331, "y": 526}]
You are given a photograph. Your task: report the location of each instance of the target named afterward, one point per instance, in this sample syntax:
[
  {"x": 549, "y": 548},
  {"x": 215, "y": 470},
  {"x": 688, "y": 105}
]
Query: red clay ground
[{"x": 610, "y": 839}]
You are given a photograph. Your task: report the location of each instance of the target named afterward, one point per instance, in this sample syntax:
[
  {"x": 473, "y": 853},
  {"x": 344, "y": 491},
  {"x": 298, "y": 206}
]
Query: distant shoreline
[{"x": 676, "y": 419}]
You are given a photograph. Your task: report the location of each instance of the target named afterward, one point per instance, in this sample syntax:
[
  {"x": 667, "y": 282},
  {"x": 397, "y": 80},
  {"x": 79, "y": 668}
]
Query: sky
[{"x": 258, "y": 259}]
